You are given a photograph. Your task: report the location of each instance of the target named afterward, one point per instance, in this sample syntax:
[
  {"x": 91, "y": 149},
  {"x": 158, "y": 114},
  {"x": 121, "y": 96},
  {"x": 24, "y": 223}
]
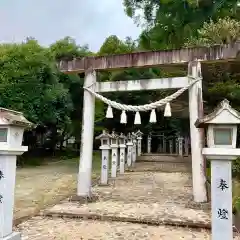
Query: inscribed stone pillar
[
  {"x": 129, "y": 151},
  {"x": 164, "y": 144},
  {"x": 186, "y": 146},
  {"x": 171, "y": 146},
  {"x": 114, "y": 147},
  {"x": 176, "y": 145},
  {"x": 180, "y": 146},
  {"x": 221, "y": 198},
  {"x": 114, "y": 161},
  {"x": 139, "y": 146},
  {"x": 149, "y": 144},
  {"x": 105, "y": 165},
  {"x": 134, "y": 150},
  {"x": 122, "y": 158}
]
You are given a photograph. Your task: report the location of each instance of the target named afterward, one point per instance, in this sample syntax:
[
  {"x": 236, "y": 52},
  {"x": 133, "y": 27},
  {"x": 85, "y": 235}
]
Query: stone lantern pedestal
[
  {"x": 114, "y": 147},
  {"x": 105, "y": 147},
  {"x": 221, "y": 127},
  {"x": 129, "y": 150},
  {"x": 122, "y": 146},
  {"x": 12, "y": 126}
]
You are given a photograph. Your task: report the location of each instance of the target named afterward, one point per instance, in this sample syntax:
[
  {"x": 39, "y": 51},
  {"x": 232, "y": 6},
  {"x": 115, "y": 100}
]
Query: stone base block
[
  {"x": 103, "y": 185},
  {"x": 83, "y": 200},
  {"x": 13, "y": 236}
]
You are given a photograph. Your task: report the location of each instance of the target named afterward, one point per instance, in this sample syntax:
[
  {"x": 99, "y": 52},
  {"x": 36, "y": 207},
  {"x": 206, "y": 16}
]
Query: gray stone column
[{"x": 86, "y": 151}]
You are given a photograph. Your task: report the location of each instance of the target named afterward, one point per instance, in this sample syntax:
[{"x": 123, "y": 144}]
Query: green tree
[
  {"x": 113, "y": 45},
  {"x": 29, "y": 83},
  {"x": 224, "y": 31},
  {"x": 169, "y": 23},
  {"x": 67, "y": 48}
]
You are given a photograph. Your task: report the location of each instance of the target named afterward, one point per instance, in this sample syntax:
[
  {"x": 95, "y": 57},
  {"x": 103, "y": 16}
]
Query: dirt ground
[
  {"x": 39, "y": 187},
  {"x": 140, "y": 197}
]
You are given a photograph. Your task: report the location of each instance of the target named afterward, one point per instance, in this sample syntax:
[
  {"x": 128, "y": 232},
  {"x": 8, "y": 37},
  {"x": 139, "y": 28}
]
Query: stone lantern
[
  {"x": 114, "y": 147},
  {"x": 105, "y": 147},
  {"x": 134, "y": 148},
  {"x": 12, "y": 125},
  {"x": 122, "y": 146},
  {"x": 139, "y": 142},
  {"x": 129, "y": 149},
  {"x": 180, "y": 146},
  {"x": 149, "y": 143},
  {"x": 221, "y": 127}
]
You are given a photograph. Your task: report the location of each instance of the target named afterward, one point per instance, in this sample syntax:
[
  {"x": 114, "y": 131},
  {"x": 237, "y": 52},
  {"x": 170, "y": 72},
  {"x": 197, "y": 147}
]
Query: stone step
[{"x": 163, "y": 158}]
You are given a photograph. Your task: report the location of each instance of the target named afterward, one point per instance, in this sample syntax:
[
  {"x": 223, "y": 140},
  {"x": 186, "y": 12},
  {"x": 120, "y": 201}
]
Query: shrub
[{"x": 236, "y": 168}]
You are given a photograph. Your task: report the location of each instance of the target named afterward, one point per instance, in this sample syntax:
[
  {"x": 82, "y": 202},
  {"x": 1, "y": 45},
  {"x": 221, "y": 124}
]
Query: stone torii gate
[{"x": 90, "y": 65}]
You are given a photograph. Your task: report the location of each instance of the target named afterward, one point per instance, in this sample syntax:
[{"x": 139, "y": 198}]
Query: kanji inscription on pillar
[
  {"x": 1, "y": 177},
  {"x": 223, "y": 213},
  {"x": 104, "y": 162},
  {"x": 223, "y": 184}
]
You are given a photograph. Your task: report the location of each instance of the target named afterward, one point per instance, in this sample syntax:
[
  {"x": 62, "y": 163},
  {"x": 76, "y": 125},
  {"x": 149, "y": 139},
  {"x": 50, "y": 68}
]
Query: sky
[{"x": 87, "y": 21}]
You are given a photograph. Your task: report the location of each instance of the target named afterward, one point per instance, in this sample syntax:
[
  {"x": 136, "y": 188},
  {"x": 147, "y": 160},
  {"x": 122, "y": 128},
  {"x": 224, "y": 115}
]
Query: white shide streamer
[{"x": 146, "y": 107}]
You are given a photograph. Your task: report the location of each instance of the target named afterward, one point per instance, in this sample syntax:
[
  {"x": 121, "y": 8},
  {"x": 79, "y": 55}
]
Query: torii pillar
[
  {"x": 85, "y": 167},
  {"x": 197, "y": 135}
]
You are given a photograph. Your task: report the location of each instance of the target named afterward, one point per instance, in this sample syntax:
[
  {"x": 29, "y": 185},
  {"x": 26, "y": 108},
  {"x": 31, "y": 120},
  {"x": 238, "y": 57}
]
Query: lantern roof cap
[
  {"x": 114, "y": 135},
  {"x": 134, "y": 134},
  {"x": 104, "y": 134},
  {"x": 139, "y": 133},
  {"x": 222, "y": 114},
  {"x": 122, "y": 136},
  {"x": 11, "y": 117}
]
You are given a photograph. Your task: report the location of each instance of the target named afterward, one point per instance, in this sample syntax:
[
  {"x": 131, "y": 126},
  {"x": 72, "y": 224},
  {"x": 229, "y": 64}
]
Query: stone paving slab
[
  {"x": 39, "y": 228},
  {"x": 156, "y": 197}
]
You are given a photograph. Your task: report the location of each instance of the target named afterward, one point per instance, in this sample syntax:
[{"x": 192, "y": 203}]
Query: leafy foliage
[
  {"x": 29, "y": 83},
  {"x": 224, "y": 31},
  {"x": 170, "y": 23},
  {"x": 113, "y": 45},
  {"x": 67, "y": 48}
]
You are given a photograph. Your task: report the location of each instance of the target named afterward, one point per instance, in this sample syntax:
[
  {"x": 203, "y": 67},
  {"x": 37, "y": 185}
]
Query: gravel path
[
  {"x": 68, "y": 229},
  {"x": 142, "y": 196},
  {"x": 155, "y": 196}
]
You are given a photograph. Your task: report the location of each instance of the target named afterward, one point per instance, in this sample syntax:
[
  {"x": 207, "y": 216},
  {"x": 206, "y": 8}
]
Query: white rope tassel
[
  {"x": 153, "y": 117},
  {"x": 167, "y": 111},
  {"x": 137, "y": 119},
  {"x": 109, "y": 113},
  {"x": 123, "y": 117}
]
